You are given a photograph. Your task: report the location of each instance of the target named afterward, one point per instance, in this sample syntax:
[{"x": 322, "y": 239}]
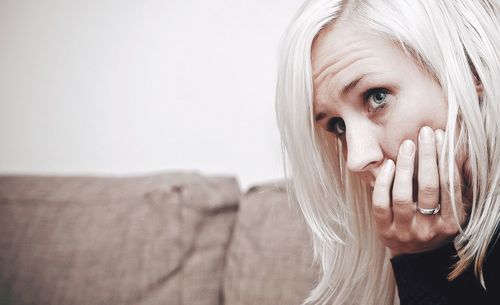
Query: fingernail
[
  {"x": 439, "y": 136},
  {"x": 426, "y": 134},
  {"x": 408, "y": 148},
  {"x": 389, "y": 165}
]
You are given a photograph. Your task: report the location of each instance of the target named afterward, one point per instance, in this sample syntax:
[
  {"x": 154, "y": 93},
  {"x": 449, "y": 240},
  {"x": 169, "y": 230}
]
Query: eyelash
[{"x": 331, "y": 126}]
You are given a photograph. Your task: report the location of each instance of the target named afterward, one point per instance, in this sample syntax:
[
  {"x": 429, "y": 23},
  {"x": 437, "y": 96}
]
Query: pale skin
[{"x": 391, "y": 123}]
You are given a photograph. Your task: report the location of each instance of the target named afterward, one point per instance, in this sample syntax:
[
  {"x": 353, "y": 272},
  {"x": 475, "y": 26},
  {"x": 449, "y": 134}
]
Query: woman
[{"x": 388, "y": 112}]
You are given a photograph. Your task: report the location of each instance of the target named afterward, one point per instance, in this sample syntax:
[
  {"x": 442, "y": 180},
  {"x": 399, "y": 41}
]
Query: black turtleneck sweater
[{"x": 421, "y": 278}]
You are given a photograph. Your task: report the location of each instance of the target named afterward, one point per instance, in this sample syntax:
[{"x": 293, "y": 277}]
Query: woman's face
[{"x": 371, "y": 95}]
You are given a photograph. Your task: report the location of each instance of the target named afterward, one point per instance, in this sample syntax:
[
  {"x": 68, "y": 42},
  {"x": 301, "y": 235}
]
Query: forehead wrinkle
[
  {"x": 335, "y": 61},
  {"x": 334, "y": 67},
  {"x": 328, "y": 91},
  {"x": 330, "y": 70}
]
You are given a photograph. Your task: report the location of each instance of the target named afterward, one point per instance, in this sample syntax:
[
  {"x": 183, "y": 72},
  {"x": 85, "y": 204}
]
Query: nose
[{"x": 363, "y": 147}]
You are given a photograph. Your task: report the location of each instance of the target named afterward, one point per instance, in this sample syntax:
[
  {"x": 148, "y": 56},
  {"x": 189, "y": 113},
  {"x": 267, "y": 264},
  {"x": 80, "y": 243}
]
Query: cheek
[
  {"x": 405, "y": 122},
  {"x": 424, "y": 105},
  {"x": 396, "y": 131}
]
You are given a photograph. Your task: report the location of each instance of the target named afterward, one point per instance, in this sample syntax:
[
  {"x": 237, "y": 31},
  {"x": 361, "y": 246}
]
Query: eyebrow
[{"x": 343, "y": 92}]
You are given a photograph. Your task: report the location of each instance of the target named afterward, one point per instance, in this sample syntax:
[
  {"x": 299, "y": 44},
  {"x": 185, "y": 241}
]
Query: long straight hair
[{"x": 456, "y": 42}]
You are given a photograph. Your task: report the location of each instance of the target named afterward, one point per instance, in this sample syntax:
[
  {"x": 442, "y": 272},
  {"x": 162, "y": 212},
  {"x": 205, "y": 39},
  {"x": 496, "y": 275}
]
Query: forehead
[
  {"x": 345, "y": 51},
  {"x": 339, "y": 41}
]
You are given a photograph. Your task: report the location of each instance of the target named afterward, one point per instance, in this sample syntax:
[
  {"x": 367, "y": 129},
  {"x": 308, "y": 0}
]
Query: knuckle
[
  {"x": 425, "y": 235},
  {"x": 391, "y": 233},
  {"x": 379, "y": 210},
  {"x": 404, "y": 237},
  {"x": 399, "y": 200},
  {"x": 428, "y": 189},
  {"x": 388, "y": 235}
]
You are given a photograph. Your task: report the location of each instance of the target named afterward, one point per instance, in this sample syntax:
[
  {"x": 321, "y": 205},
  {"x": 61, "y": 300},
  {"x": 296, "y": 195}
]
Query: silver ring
[{"x": 429, "y": 211}]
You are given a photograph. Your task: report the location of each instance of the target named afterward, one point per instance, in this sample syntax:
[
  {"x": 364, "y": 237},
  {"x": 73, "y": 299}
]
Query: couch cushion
[
  {"x": 270, "y": 257},
  {"x": 129, "y": 240}
]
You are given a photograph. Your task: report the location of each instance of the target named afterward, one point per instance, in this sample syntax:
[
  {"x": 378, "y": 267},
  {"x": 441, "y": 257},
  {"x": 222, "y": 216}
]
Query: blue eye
[
  {"x": 336, "y": 125},
  {"x": 376, "y": 98}
]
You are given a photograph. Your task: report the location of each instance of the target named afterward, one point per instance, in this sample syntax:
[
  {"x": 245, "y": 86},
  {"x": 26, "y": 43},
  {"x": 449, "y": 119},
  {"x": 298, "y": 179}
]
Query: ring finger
[{"x": 428, "y": 175}]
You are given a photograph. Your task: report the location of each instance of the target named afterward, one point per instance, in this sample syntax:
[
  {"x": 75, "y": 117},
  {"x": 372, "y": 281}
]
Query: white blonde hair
[{"x": 457, "y": 43}]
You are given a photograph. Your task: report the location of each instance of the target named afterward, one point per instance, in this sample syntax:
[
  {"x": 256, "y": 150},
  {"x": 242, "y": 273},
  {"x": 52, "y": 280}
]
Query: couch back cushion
[
  {"x": 157, "y": 239},
  {"x": 270, "y": 256}
]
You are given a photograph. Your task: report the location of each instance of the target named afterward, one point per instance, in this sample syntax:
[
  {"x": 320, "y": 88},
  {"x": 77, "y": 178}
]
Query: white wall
[{"x": 128, "y": 87}]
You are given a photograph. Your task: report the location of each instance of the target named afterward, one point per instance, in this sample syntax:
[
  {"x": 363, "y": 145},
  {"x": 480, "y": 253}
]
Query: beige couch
[{"x": 175, "y": 238}]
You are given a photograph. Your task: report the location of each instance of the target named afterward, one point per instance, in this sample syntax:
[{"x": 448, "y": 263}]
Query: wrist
[
  {"x": 429, "y": 247},
  {"x": 447, "y": 248}
]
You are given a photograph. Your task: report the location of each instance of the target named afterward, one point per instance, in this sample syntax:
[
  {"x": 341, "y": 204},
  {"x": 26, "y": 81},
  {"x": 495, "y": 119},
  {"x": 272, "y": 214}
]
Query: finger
[
  {"x": 457, "y": 182},
  {"x": 428, "y": 176},
  {"x": 402, "y": 192},
  {"x": 381, "y": 197},
  {"x": 444, "y": 181}
]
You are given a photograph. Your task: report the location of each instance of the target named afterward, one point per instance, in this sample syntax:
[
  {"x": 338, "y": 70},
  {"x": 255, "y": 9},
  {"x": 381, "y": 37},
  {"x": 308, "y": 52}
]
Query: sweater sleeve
[{"x": 421, "y": 278}]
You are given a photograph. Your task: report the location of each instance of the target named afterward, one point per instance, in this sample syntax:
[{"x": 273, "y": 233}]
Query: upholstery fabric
[
  {"x": 270, "y": 256},
  {"x": 156, "y": 239}
]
